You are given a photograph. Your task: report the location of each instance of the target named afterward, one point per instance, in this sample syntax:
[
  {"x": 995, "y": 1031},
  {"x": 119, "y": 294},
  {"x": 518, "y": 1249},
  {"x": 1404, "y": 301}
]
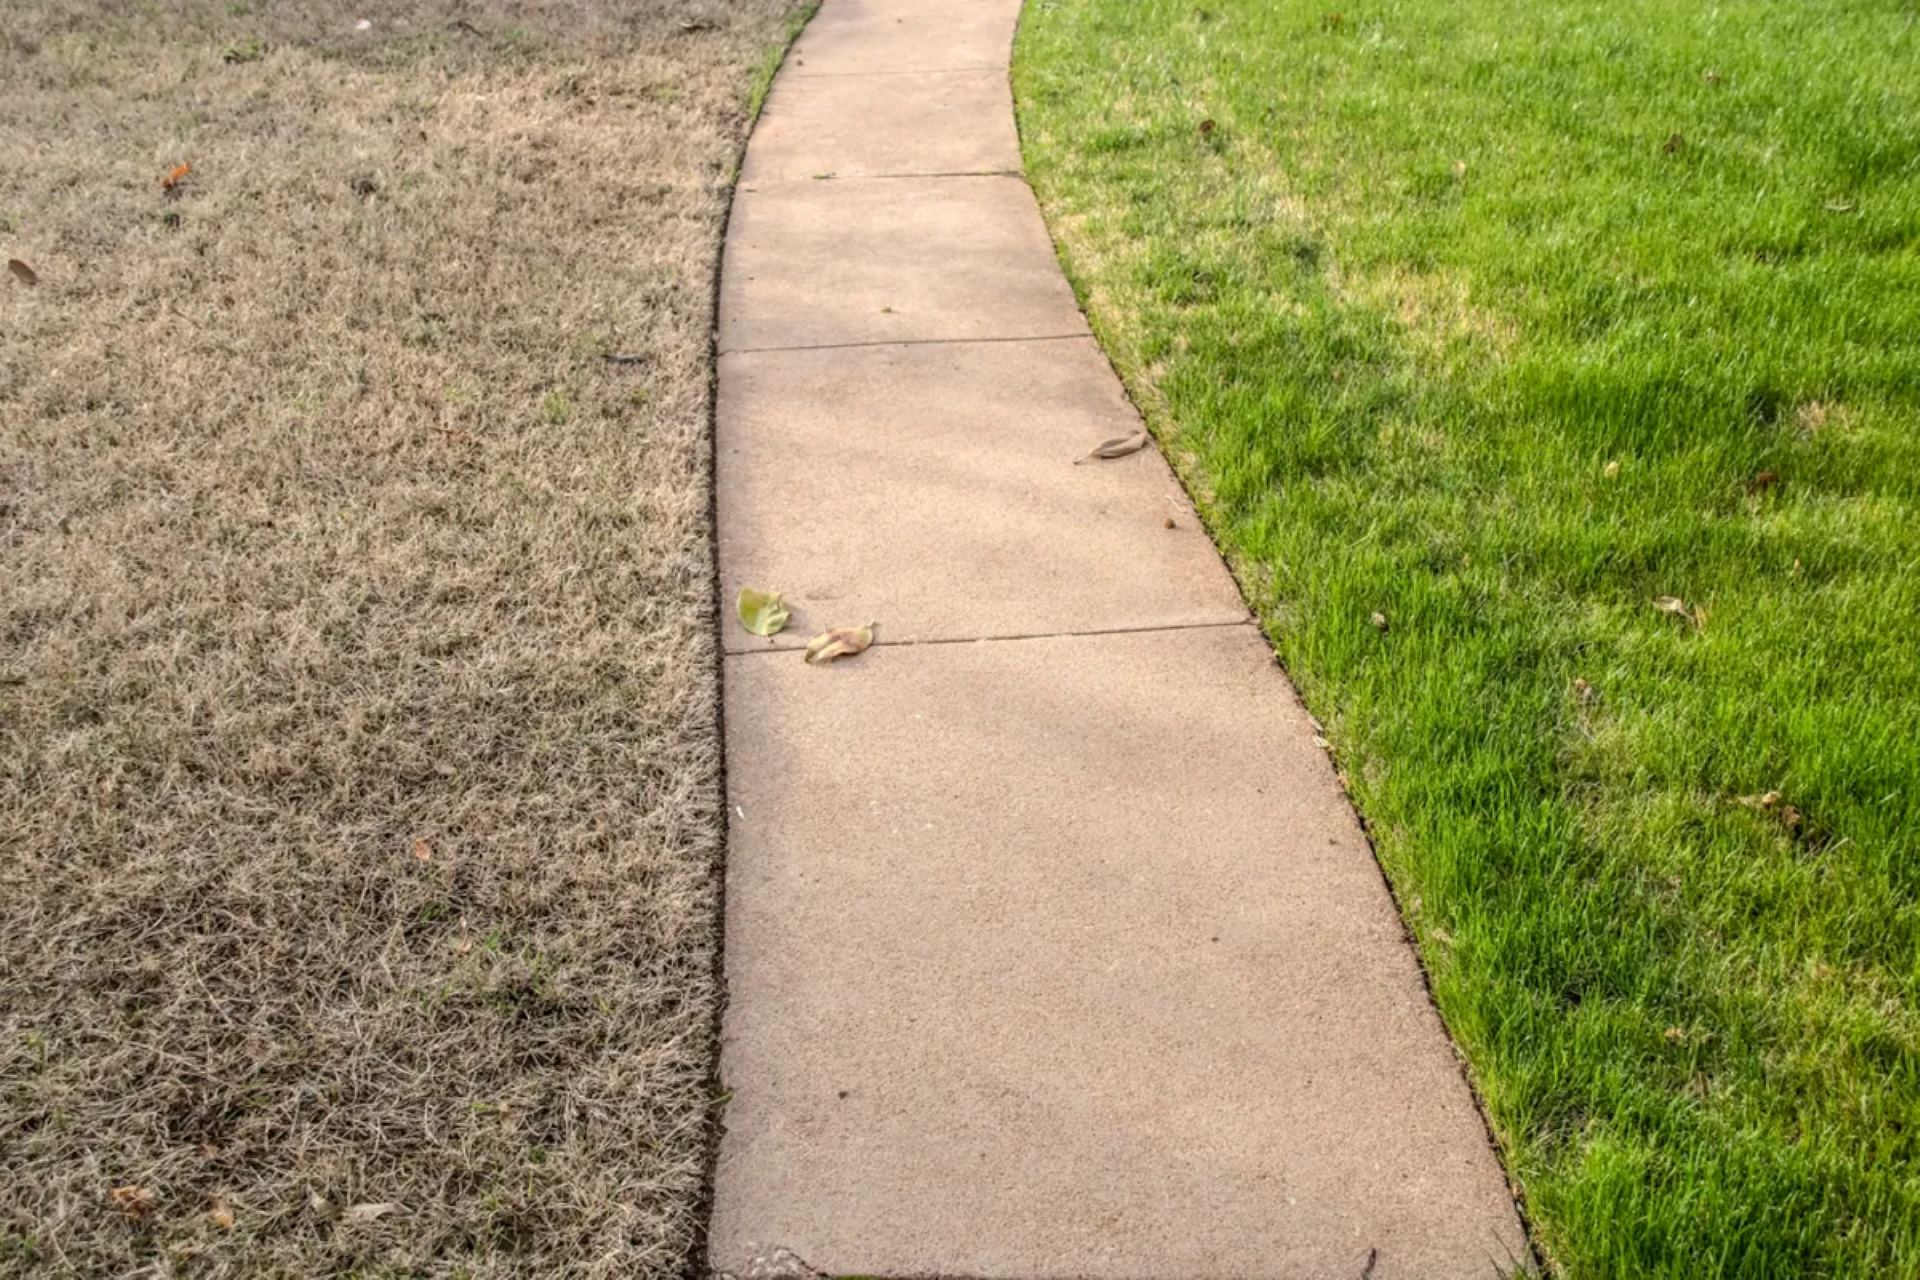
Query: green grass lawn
[{"x": 1477, "y": 328}]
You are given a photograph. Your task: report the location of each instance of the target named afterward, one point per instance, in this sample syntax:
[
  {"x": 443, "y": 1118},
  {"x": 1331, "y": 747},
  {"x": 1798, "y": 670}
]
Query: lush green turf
[{"x": 1501, "y": 321}]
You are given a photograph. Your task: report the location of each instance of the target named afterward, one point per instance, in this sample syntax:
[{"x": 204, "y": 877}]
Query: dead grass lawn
[{"x": 358, "y": 769}]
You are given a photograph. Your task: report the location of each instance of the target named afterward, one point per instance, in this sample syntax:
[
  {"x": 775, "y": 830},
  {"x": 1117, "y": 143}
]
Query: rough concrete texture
[
  {"x": 895, "y": 37},
  {"x": 1053, "y": 947},
  {"x": 931, "y": 487},
  {"x": 1066, "y": 957},
  {"x": 814, "y": 263},
  {"x": 871, "y": 126}
]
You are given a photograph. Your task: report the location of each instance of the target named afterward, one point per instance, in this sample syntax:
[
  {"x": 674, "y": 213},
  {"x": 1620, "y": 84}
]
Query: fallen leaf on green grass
[
  {"x": 1674, "y": 143},
  {"x": 761, "y": 612},
  {"x": 1379, "y": 620},
  {"x": 1118, "y": 447},
  {"x": 1766, "y": 801},
  {"x": 1612, "y": 469},
  {"x": 1839, "y": 206},
  {"x": 1763, "y": 482},
  {"x": 841, "y": 642},
  {"x": 22, "y": 272},
  {"x": 1673, "y": 605}
]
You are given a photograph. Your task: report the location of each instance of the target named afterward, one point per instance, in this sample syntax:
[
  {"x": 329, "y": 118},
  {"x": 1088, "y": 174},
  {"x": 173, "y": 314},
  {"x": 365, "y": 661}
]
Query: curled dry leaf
[
  {"x": 1673, "y": 605},
  {"x": 841, "y": 642},
  {"x": 422, "y": 851},
  {"x": 22, "y": 272},
  {"x": 369, "y": 1212},
  {"x": 221, "y": 1216},
  {"x": 133, "y": 1200},
  {"x": 761, "y": 612},
  {"x": 176, "y": 176},
  {"x": 1118, "y": 447}
]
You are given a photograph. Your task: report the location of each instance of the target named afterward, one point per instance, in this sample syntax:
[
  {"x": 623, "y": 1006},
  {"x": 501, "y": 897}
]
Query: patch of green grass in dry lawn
[{"x": 1502, "y": 322}]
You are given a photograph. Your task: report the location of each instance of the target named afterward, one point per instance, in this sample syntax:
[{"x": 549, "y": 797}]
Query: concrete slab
[
  {"x": 933, "y": 488},
  {"x": 814, "y": 263},
  {"x": 878, "y": 37},
  {"x": 1066, "y": 958},
  {"x": 859, "y": 126}
]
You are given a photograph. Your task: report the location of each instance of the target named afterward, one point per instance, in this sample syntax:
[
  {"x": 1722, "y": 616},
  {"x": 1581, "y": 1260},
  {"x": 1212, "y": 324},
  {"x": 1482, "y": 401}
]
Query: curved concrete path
[{"x": 1053, "y": 948}]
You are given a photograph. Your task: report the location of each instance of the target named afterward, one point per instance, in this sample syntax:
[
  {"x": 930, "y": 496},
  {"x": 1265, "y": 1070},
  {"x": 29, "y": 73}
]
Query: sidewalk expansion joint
[
  {"x": 761, "y": 184},
  {"x": 997, "y": 639},
  {"x": 927, "y": 71},
  {"x": 901, "y": 342}
]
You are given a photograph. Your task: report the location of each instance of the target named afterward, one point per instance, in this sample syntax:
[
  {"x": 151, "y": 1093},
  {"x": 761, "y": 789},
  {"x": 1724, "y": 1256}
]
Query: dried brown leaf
[
  {"x": 134, "y": 1201},
  {"x": 1118, "y": 447},
  {"x": 22, "y": 272},
  {"x": 369, "y": 1212},
  {"x": 840, "y": 642}
]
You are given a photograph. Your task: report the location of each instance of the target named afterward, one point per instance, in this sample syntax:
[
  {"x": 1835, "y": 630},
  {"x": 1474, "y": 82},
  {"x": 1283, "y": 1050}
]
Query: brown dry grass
[{"x": 358, "y": 769}]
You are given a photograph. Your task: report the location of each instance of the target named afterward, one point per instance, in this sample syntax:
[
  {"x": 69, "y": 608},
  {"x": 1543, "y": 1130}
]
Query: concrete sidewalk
[{"x": 1053, "y": 948}]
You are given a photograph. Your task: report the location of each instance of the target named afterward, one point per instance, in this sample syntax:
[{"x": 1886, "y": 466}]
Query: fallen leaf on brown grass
[
  {"x": 369, "y": 1212},
  {"x": 1118, "y": 447},
  {"x": 178, "y": 175},
  {"x": 22, "y": 272},
  {"x": 840, "y": 642},
  {"x": 221, "y": 1216},
  {"x": 422, "y": 851},
  {"x": 134, "y": 1201}
]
